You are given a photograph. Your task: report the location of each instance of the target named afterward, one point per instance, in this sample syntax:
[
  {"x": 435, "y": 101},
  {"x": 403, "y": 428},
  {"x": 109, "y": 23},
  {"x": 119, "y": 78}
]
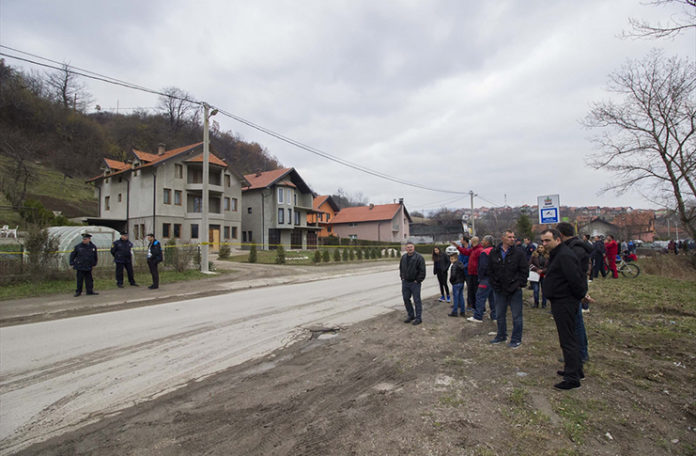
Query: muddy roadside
[{"x": 381, "y": 387}]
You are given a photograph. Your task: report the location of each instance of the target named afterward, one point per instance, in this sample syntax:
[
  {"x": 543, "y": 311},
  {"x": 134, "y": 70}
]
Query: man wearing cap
[
  {"x": 123, "y": 257},
  {"x": 154, "y": 257},
  {"x": 83, "y": 258}
]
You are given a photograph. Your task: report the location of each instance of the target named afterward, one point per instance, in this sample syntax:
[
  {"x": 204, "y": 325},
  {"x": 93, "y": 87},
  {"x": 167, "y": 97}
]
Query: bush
[
  {"x": 280, "y": 255},
  {"x": 373, "y": 253},
  {"x": 337, "y": 255},
  {"x": 317, "y": 256},
  {"x": 345, "y": 254},
  {"x": 366, "y": 253},
  {"x": 325, "y": 256},
  {"x": 42, "y": 252},
  {"x": 359, "y": 254},
  {"x": 252, "y": 254},
  {"x": 393, "y": 253},
  {"x": 224, "y": 251},
  {"x": 379, "y": 252},
  {"x": 34, "y": 213},
  {"x": 351, "y": 254}
]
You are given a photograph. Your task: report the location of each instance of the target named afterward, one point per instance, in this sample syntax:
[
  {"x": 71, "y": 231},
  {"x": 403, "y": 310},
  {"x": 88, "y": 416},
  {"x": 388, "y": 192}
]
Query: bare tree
[
  {"x": 649, "y": 136},
  {"x": 179, "y": 107},
  {"x": 16, "y": 174},
  {"x": 643, "y": 29},
  {"x": 65, "y": 88}
]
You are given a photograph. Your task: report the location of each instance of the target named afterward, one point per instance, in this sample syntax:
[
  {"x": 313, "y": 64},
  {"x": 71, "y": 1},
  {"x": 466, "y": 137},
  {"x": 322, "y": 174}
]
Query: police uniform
[
  {"x": 83, "y": 258},
  {"x": 123, "y": 257}
]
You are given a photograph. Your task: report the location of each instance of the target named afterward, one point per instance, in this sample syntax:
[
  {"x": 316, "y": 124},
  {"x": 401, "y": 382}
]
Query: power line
[{"x": 110, "y": 80}]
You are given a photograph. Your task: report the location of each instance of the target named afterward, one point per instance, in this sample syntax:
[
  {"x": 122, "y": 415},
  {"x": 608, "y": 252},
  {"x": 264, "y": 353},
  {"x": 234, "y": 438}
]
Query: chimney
[
  {"x": 401, "y": 201},
  {"x": 160, "y": 148},
  {"x": 372, "y": 206}
]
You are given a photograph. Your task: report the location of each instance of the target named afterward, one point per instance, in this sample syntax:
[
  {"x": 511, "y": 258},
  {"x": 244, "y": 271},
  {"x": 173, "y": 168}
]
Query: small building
[
  {"x": 275, "y": 210},
  {"x": 599, "y": 227},
  {"x": 162, "y": 194},
  {"x": 381, "y": 222},
  {"x": 636, "y": 225},
  {"x": 325, "y": 210}
]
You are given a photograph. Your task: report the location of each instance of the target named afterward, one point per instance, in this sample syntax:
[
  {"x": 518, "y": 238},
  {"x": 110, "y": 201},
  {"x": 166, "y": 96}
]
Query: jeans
[
  {"x": 409, "y": 289},
  {"x": 483, "y": 293},
  {"x": 457, "y": 297},
  {"x": 581, "y": 335},
  {"x": 502, "y": 301},
  {"x": 536, "y": 286}
]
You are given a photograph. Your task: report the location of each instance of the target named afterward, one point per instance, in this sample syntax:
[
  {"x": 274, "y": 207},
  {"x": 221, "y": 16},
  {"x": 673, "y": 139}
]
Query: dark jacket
[
  {"x": 441, "y": 263},
  {"x": 412, "y": 269},
  {"x": 507, "y": 276},
  {"x": 564, "y": 277},
  {"x": 121, "y": 250},
  {"x": 598, "y": 249},
  {"x": 581, "y": 250},
  {"x": 154, "y": 250},
  {"x": 538, "y": 264},
  {"x": 84, "y": 257},
  {"x": 483, "y": 260},
  {"x": 457, "y": 273}
]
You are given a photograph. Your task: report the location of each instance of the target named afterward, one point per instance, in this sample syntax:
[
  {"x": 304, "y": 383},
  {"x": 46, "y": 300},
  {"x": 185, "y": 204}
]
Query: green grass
[{"x": 102, "y": 281}]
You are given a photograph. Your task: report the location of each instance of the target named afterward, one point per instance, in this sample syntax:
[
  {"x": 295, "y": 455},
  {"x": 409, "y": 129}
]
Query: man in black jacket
[
  {"x": 123, "y": 257},
  {"x": 412, "y": 271},
  {"x": 565, "y": 284},
  {"x": 154, "y": 257},
  {"x": 598, "y": 252},
  {"x": 508, "y": 271},
  {"x": 83, "y": 258}
]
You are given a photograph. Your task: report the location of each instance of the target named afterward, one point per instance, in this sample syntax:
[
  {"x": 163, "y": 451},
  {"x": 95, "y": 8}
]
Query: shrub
[
  {"x": 337, "y": 255},
  {"x": 366, "y": 253},
  {"x": 280, "y": 255},
  {"x": 33, "y": 212},
  {"x": 359, "y": 254},
  {"x": 373, "y": 253},
  {"x": 393, "y": 253},
  {"x": 317, "y": 256},
  {"x": 345, "y": 254},
  {"x": 351, "y": 254},
  {"x": 325, "y": 256},
  {"x": 42, "y": 251},
  {"x": 379, "y": 252},
  {"x": 224, "y": 251},
  {"x": 252, "y": 254}
]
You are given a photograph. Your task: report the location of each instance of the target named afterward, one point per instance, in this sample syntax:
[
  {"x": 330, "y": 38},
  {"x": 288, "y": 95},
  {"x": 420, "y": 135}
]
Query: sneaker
[
  {"x": 442, "y": 299},
  {"x": 134, "y": 284},
  {"x": 448, "y": 299},
  {"x": 417, "y": 322},
  {"x": 409, "y": 319},
  {"x": 93, "y": 293},
  {"x": 452, "y": 314},
  {"x": 474, "y": 320},
  {"x": 585, "y": 310},
  {"x": 566, "y": 385},
  {"x": 562, "y": 374},
  {"x": 76, "y": 295},
  {"x": 514, "y": 344},
  {"x": 497, "y": 341},
  {"x": 152, "y": 287},
  {"x": 120, "y": 285}
]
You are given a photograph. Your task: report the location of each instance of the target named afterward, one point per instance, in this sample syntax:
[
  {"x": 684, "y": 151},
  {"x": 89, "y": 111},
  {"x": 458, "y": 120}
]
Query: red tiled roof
[
  {"x": 212, "y": 159},
  {"x": 115, "y": 164},
  {"x": 318, "y": 201},
  {"x": 145, "y": 156},
  {"x": 264, "y": 179},
  {"x": 366, "y": 214}
]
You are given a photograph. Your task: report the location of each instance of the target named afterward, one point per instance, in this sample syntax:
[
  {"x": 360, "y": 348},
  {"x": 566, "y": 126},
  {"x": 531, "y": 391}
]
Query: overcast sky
[{"x": 455, "y": 95}]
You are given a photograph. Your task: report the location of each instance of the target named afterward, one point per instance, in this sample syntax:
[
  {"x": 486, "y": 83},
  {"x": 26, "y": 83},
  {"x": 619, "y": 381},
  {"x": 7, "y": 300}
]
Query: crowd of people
[{"x": 558, "y": 271}]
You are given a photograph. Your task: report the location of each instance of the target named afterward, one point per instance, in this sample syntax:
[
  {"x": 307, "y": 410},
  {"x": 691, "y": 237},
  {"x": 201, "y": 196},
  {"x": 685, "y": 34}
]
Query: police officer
[
  {"x": 83, "y": 258},
  {"x": 154, "y": 257},
  {"x": 123, "y": 257}
]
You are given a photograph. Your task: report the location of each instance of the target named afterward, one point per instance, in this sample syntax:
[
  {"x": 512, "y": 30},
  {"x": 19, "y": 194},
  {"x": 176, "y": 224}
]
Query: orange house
[{"x": 325, "y": 210}]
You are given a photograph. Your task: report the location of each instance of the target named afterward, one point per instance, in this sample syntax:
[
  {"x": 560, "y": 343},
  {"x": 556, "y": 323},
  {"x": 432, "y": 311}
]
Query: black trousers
[
  {"x": 565, "y": 312},
  {"x": 442, "y": 280},
  {"x": 86, "y": 277},
  {"x": 471, "y": 289},
  {"x": 129, "y": 271},
  {"x": 154, "y": 272}
]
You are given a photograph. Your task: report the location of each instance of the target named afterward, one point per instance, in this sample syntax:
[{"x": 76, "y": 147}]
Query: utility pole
[
  {"x": 203, "y": 234},
  {"x": 473, "y": 220}
]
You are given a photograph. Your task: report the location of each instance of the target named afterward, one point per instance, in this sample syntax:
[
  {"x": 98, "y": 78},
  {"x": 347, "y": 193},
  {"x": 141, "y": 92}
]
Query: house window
[
  {"x": 194, "y": 175},
  {"x": 281, "y": 216},
  {"x": 228, "y": 180},
  {"x": 177, "y": 197},
  {"x": 353, "y": 236},
  {"x": 165, "y": 230},
  {"x": 248, "y": 210},
  {"x": 297, "y": 218},
  {"x": 289, "y": 193},
  {"x": 295, "y": 199},
  {"x": 136, "y": 234},
  {"x": 194, "y": 231},
  {"x": 167, "y": 196},
  {"x": 227, "y": 232},
  {"x": 233, "y": 208},
  {"x": 177, "y": 230},
  {"x": 119, "y": 197},
  {"x": 227, "y": 204},
  {"x": 197, "y": 204},
  {"x": 289, "y": 216},
  {"x": 328, "y": 229},
  {"x": 321, "y": 217},
  {"x": 244, "y": 236},
  {"x": 107, "y": 206},
  {"x": 280, "y": 195},
  {"x": 142, "y": 231},
  {"x": 249, "y": 237},
  {"x": 179, "y": 171},
  {"x": 234, "y": 232},
  {"x": 353, "y": 224},
  {"x": 214, "y": 204}
]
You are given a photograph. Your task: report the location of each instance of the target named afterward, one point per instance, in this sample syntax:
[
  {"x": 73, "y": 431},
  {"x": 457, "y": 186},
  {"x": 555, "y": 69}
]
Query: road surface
[{"x": 58, "y": 375}]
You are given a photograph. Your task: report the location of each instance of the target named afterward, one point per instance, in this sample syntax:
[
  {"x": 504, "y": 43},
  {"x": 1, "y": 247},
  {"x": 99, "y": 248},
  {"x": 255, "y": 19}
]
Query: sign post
[{"x": 549, "y": 209}]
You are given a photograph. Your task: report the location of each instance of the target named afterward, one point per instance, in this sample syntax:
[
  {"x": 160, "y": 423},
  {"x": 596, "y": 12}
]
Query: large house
[
  {"x": 162, "y": 193},
  {"x": 381, "y": 222},
  {"x": 326, "y": 208},
  {"x": 275, "y": 209}
]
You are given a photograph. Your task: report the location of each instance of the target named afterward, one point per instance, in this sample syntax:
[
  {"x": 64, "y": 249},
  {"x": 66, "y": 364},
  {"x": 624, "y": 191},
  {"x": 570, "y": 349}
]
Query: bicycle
[{"x": 626, "y": 269}]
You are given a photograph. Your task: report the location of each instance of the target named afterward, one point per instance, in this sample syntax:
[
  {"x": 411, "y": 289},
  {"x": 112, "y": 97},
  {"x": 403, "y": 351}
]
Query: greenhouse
[{"x": 69, "y": 236}]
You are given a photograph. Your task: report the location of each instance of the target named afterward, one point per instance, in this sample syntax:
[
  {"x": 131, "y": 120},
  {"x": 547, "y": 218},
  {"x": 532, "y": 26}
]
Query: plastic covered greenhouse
[{"x": 69, "y": 236}]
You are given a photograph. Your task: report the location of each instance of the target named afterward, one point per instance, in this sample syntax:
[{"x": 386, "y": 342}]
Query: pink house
[{"x": 381, "y": 222}]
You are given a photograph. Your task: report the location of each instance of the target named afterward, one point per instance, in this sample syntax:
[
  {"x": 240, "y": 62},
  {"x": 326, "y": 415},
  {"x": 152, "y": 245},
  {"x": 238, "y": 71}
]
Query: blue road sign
[{"x": 549, "y": 215}]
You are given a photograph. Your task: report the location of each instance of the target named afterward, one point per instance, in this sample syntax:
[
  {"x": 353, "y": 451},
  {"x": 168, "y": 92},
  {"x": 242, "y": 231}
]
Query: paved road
[{"x": 59, "y": 375}]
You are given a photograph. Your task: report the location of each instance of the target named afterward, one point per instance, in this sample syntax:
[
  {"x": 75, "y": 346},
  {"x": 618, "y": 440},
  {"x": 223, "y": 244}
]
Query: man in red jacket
[
  {"x": 472, "y": 282},
  {"x": 612, "y": 249}
]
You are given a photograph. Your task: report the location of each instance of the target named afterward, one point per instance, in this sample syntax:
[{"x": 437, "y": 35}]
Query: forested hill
[{"x": 43, "y": 119}]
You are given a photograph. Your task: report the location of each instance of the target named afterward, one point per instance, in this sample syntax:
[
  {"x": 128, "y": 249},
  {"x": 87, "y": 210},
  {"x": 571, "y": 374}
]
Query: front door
[{"x": 214, "y": 238}]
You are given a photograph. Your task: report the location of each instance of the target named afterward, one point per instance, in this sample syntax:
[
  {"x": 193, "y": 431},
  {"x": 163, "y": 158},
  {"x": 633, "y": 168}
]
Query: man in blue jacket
[
  {"x": 154, "y": 257},
  {"x": 83, "y": 258},
  {"x": 123, "y": 257}
]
